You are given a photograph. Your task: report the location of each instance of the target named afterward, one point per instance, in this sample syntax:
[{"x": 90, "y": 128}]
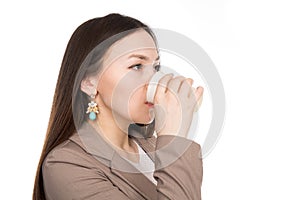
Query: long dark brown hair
[{"x": 81, "y": 52}]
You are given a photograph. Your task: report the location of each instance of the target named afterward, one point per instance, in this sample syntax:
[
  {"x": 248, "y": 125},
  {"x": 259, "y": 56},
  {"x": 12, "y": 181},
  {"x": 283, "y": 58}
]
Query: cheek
[
  {"x": 128, "y": 97},
  {"x": 125, "y": 94},
  {"x": 105, "y": 87},
  {"x": 137, "y": 99},
  {"x": 133, "y": 92},
  {"x": 109, "y": 86}
]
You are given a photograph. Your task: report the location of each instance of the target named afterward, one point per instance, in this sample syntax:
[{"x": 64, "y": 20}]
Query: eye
[
  {"x": 136, "y": 67},
  {"x": 157, "y": 67}
]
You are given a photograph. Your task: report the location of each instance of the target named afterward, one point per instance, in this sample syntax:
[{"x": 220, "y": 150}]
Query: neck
[{"x": 115, "y": 132}]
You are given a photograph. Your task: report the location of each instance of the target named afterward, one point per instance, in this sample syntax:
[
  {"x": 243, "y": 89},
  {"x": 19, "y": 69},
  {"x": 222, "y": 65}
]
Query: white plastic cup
[{"x": 152, "y": 86}]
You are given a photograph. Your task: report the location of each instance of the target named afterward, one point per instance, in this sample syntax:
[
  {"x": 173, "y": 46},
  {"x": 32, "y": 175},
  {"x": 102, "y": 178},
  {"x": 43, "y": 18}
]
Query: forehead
[{"x": 139, "y": 41}]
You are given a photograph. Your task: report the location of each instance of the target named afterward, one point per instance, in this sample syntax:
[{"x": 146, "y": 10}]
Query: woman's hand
[{"x": 174, "y": 105}]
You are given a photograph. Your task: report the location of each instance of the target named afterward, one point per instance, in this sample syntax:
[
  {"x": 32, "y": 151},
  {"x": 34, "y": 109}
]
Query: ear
[{"x": 89, "y": 85}]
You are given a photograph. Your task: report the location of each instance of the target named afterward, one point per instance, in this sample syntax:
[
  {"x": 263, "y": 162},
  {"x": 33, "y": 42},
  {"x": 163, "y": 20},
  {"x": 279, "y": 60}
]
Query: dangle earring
[{"x": 92, "y": 109}]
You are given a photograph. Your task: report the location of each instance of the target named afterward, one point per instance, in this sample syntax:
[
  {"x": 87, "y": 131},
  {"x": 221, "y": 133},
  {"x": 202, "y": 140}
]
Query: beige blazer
[{"x": 87, "y": 167}]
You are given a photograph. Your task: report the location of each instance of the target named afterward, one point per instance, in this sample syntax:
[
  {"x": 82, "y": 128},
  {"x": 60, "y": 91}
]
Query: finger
[
  {"x": 192, "y": 92},
  {"x": 185, "y": 88},
  {"x": 199, "y": 92},
  {"x": 190, "y": 81},
  {"x": 192, "y": 89},
  {"x": 162, "y": 84},
  {"x": 199, "y": 96},
  {"x": 174, "y": 84}
]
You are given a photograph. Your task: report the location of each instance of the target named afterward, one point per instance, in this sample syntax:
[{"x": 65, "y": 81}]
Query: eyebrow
[{"x": 142, "y": 57}]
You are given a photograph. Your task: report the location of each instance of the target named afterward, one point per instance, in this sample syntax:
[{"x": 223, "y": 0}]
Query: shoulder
[
  {"x": 63, "y": 159},
  {"x": 67, "y": 170},
  {"x": 66, "y": 155}
]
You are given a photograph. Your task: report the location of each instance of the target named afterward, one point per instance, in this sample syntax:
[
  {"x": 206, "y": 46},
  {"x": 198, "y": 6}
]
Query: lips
[{"x": 149, "y": 104}]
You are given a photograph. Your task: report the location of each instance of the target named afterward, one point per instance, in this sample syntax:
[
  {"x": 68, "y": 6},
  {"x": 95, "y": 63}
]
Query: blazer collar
[{"x": 94, "y": 144}]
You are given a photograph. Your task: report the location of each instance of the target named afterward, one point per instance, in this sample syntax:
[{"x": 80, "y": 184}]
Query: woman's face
[{"x": 126, "y": 70}]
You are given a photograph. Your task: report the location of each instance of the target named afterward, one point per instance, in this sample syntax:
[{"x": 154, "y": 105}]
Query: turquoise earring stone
[{"x": 92, "y": 116}]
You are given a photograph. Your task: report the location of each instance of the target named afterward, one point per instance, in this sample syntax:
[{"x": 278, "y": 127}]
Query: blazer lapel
[
  {"x": 144, "y": 136},
  {"x": 93, "y": 143},
  {"x": 148, "y": 145},
  {"x": 128, "y": 173}
]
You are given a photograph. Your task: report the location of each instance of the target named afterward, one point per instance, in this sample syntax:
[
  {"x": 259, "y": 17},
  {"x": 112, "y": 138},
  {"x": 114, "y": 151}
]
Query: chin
[
  {"x": 144, "y": 120},
  {"x": 143, "y": 117}
]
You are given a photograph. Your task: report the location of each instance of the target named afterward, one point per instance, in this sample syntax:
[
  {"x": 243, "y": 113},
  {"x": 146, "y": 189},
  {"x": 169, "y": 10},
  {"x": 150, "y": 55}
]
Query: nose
[{"x": 150, "y": 71}]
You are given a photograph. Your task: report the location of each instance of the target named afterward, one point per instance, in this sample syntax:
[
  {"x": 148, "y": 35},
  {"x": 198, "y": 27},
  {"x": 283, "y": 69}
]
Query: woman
[{"x": 100, "y": 142}]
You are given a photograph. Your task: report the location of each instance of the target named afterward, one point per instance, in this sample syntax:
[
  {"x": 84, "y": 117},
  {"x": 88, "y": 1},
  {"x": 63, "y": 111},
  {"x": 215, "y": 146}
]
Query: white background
[{"x": 255, "y": 46}]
